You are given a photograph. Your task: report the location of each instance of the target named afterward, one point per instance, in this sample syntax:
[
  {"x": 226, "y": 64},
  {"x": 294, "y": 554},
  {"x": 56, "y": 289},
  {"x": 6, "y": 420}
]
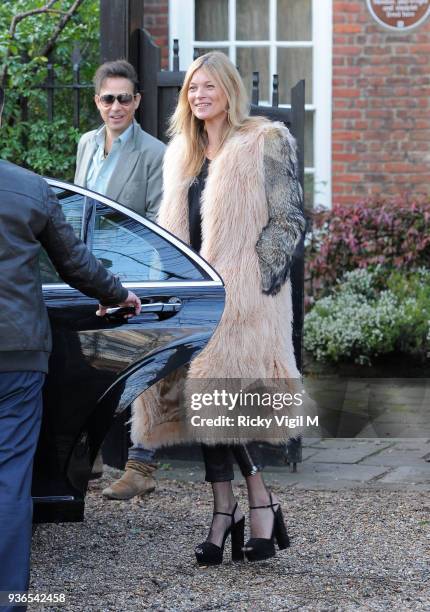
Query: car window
[
  {"x": 72, "y": 204},
  {"x": 136, "y": 253}
]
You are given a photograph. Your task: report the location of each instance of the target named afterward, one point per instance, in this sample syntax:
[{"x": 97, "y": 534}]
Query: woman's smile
[{"x": 206, "y": 97}]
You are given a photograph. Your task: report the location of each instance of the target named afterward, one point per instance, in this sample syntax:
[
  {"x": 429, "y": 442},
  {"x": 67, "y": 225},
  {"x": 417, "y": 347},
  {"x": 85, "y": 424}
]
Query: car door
[{"x": 99, "y": 365}]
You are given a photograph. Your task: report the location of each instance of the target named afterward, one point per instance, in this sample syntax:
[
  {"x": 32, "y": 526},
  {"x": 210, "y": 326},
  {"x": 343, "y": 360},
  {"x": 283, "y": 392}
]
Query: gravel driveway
[{"x": 351, "y": 550}]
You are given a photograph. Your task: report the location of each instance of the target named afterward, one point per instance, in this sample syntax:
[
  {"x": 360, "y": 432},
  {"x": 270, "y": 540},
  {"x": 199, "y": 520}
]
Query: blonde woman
[{"x": 231, "y": 191}]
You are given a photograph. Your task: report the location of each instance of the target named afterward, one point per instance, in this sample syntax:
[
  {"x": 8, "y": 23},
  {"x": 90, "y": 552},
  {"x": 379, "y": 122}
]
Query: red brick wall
[
  {"x": 381, "y": 106},
  {"x": 156, "y": 21}
]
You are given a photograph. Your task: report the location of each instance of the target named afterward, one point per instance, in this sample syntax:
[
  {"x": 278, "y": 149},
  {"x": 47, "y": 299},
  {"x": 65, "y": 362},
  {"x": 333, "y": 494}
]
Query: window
[
  {"x": 72, "y": 204},
  {"x": 291, "y": 38},
  {"x": 137, "y": 254},
  {"x": 127, "y": 248}
]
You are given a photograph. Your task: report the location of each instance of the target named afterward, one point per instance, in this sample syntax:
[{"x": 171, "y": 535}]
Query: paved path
[
  {"x": 373, "y": 407},
  {"x": 335, "y": 464}
]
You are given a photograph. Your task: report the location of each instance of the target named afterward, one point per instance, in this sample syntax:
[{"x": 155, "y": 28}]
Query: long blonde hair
[{"x": 184, "y": 122}]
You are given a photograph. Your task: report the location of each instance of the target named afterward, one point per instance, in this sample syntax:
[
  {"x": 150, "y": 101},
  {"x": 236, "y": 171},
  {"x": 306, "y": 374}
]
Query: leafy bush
[
  {"x": 413, "y": 292},
  {"x": 46, "y": 147},
  {"x": 368, "y": 315},
  {"x": 45, "y": 152},
  {"x": 393, "y": 233}
]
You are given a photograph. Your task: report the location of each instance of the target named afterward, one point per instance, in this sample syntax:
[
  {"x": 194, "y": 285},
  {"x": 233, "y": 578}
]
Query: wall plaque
[{"x": 399, "y": 14}]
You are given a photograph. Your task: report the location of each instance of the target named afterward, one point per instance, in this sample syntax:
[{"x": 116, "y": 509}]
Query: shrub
[
  {"x": 393, "y": 233},
  {"x": 413, "y": 292},
  {"x": 360, "y": 321},
  {"x": 45, "y": 151}
]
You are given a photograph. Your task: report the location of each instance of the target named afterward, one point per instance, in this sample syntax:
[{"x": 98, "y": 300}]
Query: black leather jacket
[{"x": 31, "y": 217}]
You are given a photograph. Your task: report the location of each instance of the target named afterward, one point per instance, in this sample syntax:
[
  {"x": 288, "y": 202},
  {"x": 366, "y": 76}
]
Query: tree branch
[
  {"x": 66, "y": 16},
  {"x": 60, "y": 27},
  {"x": 21, "y": 16}
]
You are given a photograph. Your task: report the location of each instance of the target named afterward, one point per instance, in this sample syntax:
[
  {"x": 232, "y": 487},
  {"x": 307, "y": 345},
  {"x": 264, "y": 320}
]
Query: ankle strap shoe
[
  {"x": 208, "y": 553},
  {"x": 258, "y": 549}
]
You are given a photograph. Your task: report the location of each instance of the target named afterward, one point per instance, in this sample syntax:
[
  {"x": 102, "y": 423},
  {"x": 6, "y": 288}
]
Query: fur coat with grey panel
[{"x": 252, "y": 221}]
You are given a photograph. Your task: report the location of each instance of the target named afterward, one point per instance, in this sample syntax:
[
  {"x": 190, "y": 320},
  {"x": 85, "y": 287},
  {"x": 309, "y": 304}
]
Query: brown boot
[{"x": 136, "y": 480}]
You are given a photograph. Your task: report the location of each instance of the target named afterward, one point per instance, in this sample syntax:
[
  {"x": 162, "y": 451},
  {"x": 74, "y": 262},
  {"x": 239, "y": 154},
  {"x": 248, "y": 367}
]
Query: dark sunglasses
[{"x": 125, "y": 99}]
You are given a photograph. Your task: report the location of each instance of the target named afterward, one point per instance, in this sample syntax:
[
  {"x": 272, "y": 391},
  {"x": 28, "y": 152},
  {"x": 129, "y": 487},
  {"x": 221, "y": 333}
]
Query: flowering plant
[{"x": 368, "y": 314}]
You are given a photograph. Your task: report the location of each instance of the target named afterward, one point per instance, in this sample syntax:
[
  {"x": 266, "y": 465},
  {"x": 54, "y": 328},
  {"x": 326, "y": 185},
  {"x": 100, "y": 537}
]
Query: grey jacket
[
  {"x": 31, "y": 217},
  {"x": 137, "y": 180}
]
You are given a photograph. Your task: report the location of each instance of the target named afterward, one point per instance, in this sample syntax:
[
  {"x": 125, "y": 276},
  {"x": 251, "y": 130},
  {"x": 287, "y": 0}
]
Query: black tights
[
  {"x": 219, "y": 460},
  {"x": 219, "y": 471}
]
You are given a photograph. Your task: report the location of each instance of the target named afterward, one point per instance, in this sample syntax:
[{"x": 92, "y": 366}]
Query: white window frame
[{"x": 181, "y": 26}]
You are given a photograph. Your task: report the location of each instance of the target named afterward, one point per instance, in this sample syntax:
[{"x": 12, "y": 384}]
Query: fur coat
[{"x": 252, "y": 221}]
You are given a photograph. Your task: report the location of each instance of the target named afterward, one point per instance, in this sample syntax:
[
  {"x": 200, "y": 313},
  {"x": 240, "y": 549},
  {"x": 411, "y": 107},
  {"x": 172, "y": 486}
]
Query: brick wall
[
  {"x": 156, "y": 21},
  {"x": 381, "y": 106}
]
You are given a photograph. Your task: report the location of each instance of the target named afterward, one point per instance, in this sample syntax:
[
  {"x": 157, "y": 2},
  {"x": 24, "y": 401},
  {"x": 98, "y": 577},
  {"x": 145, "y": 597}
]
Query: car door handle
[
  {"x": 170, "y": 306},
  {"x": 173, "y": 305}
]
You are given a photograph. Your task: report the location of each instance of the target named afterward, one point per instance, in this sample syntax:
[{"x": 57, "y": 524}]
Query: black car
[{"x": 99, "y": 365}]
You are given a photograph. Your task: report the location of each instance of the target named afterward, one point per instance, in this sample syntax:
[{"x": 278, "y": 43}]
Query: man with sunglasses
[
  {"x": 124, "y": 163},
  {"x": 120, "y": 160}
]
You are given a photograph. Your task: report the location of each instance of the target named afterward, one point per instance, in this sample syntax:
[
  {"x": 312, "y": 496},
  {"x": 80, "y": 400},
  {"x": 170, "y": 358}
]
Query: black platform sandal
[
  {"x": 258, "y": 549},
  {"x": 211, "y": 554}
]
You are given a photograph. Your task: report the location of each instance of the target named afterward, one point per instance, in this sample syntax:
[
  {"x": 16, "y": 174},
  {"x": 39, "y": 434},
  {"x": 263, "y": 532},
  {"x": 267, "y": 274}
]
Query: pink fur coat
[{"x": 254, "y": 337}]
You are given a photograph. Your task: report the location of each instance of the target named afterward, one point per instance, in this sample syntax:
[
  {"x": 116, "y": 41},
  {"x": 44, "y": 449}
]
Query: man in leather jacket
[{"x": 31, "y": 218}]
